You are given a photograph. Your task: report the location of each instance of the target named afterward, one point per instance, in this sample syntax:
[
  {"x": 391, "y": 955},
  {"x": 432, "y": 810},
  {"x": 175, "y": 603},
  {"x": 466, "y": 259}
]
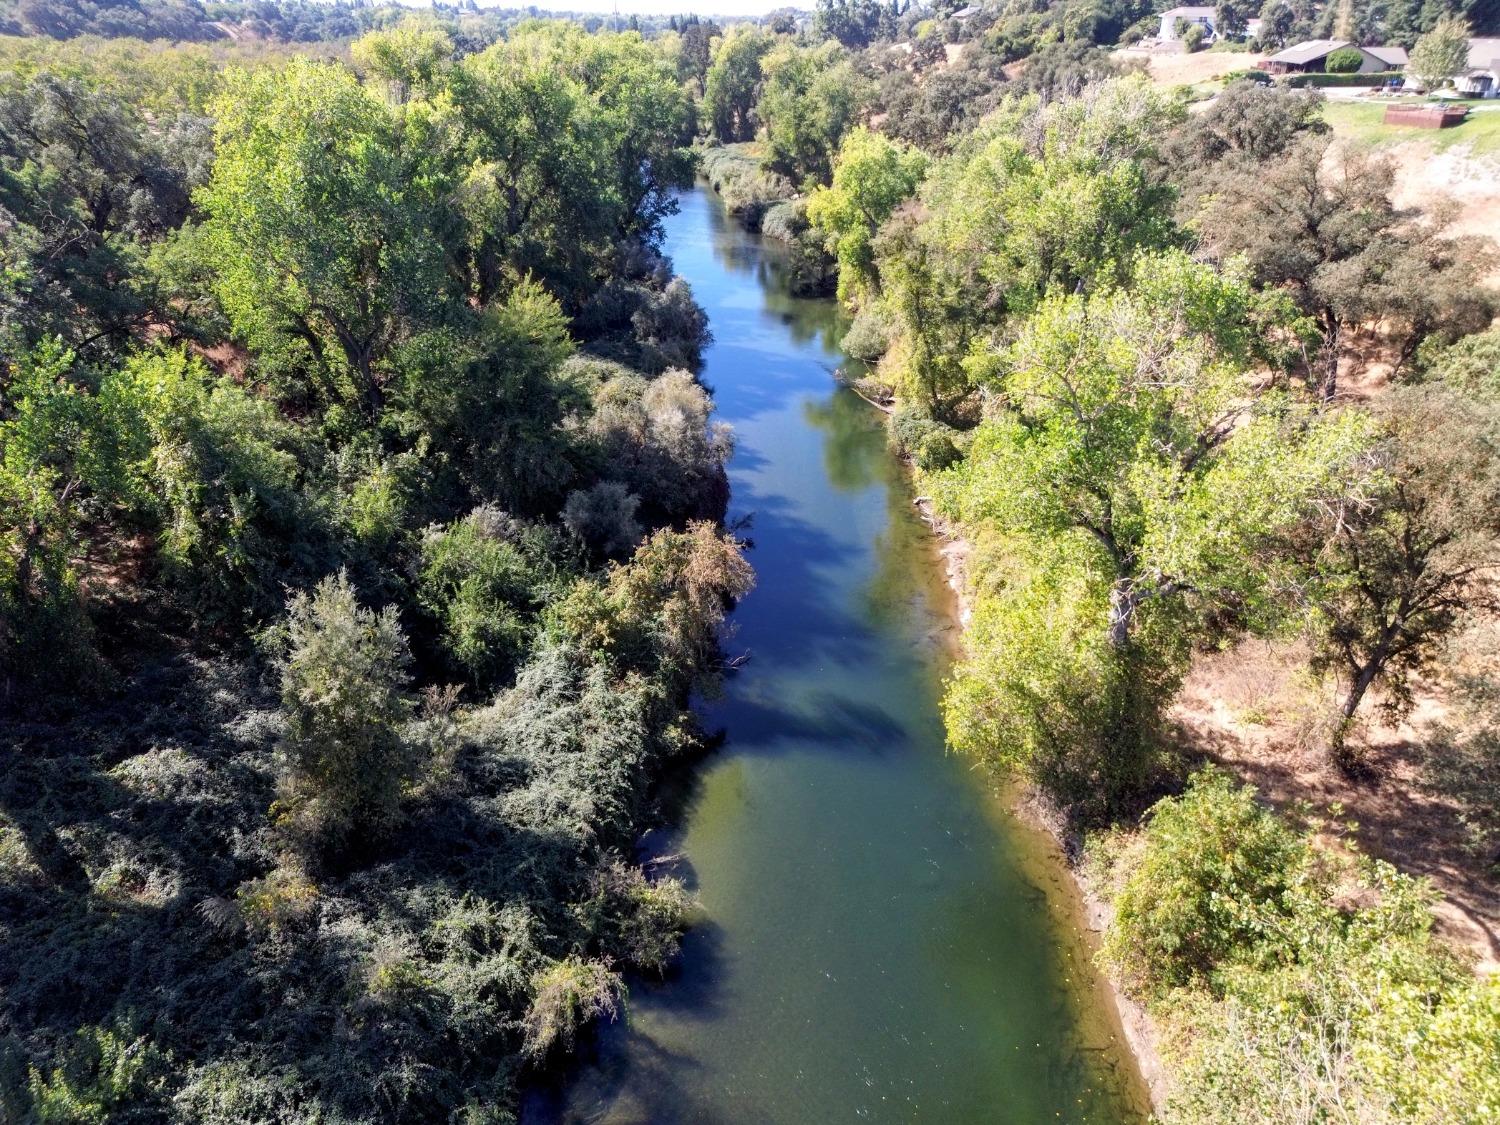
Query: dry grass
[
  {"x": 1255, "y": 709},
  {"x": 1188, "y": 70}
]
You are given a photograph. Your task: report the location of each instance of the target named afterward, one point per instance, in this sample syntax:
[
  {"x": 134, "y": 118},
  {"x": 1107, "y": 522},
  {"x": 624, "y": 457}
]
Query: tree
[
  {"x": 87, "y": 182},
  {"x": 856, "y": 23},
  {"x": 320, "y": 228},
  {"x": 1328, "y": 232},
  {"x": 63, "y": 452},
  {"x": 1394, "y": 575},
  {"x": 1277, "y": 22},
  {"x": 732, "y": 86},
  {"x": 811, "y": 99},
  {"x": 1441, "y": 54},
  {"x": 1125, "y": 463},
  {"x": 1229, "y": 19},
  {"x": 344, "y": 694},
  {"x": 409, "y": 56},
  {"x": 870, "y": 178},
  {"x": 1038, "y": 199},
  {"x": 695, "y": 50}
]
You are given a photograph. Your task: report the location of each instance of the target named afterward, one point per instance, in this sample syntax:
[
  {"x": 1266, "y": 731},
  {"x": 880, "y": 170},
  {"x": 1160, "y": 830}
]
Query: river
[{"x": 881, "y": 940}]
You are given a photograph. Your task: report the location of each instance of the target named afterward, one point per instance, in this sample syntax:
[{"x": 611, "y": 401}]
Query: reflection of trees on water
[
  {"x": 808, "y": 320},
  {"x": 856, "y": 456},
  {"x": 854, "y": 447}
]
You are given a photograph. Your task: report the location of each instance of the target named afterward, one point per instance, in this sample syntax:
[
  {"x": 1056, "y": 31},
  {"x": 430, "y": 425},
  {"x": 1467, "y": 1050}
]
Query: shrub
[
  {"x": 1259, "y": 77},
  {"x": 484, "y": 579},
  {"x": 748, "y": 189},
  {"x": 1212, "y": 883},
  {"x": 1193, "y": 36},
  {"x": 109, "y": 1075},
  {"x": 343, "y": 689},
  {"x": 567, "y": 995},
  {"x": 1346, "y": 60},
  {"x": 909, "y": 427},
  {"x": 785, "y": 221},
  {"x": 671, "y": 329},
  {"x": 868, "y": 337},
  {"x": 937, "y": 451},
  {"x": 604, "y": 518},
  {"x": 655, "y": 436},
  {"x": 638, "y": 920},
  {"x": 1301, "y": 81}
]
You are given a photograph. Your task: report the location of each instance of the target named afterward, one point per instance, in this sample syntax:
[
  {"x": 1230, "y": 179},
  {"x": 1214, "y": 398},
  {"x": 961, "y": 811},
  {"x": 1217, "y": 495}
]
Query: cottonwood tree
[
  {"x": 812, "y": 97},
  {"x": 1392, "y": 577},
  {"x": 319, "y": 227},
  {"x": 871, "y": 176},
  {"x": 1037, "y": 200},
  {"x": 732, "y": 86},
  {"x": 1132, "y": 469}
]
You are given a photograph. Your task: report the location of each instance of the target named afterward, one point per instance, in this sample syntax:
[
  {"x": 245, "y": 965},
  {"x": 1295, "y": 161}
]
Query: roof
[
  {"x": 1191, "y": 12},
  {"x": 966, "y": 12},
  {"x": 1315, "y": 49},
  {"x": 1484, "y": 54},
  {"x": 1311, "y": 50}
]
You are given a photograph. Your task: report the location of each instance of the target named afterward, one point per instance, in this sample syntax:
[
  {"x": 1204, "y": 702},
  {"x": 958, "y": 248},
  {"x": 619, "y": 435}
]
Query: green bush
[
  {"x": 937, "y": 451},
  {"x": 1346, "y": 60},
  {"x": 1193, "y": 36},
  {"x": 484, "y": 579},
  {"x": 1259, "y": 77},
  {"x": 1301, "y": 81},
  {"x": 868, "y": 337},
  {"x": 1211, "y": 885},
  {"x": 343, "y": 685},
  {"x": 108, "y": 1075}
]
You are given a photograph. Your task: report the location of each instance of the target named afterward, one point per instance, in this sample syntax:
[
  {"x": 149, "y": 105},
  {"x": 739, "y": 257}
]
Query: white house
[
  {"x": 1204, "y": 17},
  {"x": 1482, "y": 79}
]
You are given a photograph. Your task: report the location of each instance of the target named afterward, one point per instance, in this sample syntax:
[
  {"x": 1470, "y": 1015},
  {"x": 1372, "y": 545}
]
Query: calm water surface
[{"x": 881, "y": 942}]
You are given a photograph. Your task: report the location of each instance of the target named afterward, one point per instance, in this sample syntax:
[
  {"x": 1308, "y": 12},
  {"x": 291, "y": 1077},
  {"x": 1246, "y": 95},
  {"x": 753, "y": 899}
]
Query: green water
[{"x": 881, "y": 940}]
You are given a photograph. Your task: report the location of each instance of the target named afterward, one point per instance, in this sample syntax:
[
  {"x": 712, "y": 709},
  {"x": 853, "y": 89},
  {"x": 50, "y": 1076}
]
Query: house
[
  {"x": 1203, "y": 17},
  {"x": 1482, "y": 79},
  {"x": 1206, "y": 18},
  {"x": 1312, "y": 56}
]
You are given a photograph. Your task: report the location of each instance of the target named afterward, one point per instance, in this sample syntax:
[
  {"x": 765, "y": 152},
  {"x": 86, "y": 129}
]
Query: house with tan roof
[{"x": 1312, "y": 56}]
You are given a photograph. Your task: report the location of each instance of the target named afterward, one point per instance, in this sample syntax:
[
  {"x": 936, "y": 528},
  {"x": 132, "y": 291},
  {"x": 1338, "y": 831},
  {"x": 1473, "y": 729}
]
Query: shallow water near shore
[{"x": 880, "y": 939}]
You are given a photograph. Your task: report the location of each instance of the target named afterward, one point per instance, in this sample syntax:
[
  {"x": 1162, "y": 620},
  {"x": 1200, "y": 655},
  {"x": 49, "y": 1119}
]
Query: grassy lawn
[{"x": 1363, "y": 123}]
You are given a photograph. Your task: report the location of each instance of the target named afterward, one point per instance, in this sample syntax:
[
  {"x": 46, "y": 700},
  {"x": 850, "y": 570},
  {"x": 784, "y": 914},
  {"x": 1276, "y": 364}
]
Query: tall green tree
[
  {"x": 1037, "y": 200},
  {"x": 812, "y": 97},
  {"x": 871, "y": 177},
  {"x": 1127, "y": 462},
  {"x": 732, "y": 86},
  {"x": 321, "y": 228}
]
